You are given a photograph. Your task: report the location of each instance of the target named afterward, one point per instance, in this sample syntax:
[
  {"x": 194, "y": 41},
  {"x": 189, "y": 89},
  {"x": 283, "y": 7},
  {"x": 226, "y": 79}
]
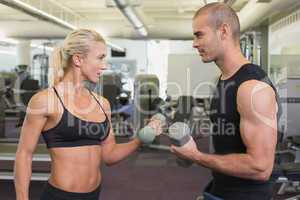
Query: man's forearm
[
  {"x": 238, "y": 165},
  {"x": 22, "y": 173}
]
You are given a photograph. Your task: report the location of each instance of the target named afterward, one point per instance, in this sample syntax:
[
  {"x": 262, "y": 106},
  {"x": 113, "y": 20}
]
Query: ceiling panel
[{"x": 169, "y": 19}]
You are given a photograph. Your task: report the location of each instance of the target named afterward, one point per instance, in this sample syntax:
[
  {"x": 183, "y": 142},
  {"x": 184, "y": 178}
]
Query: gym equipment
[
  {"x": 184, "y": 109},
  {"x": 251, "y": 46},
  {"x": 146, "y": 88},
  {"x": 27, "y": 89},
  {"x": 111, "y": 88},
  {"x": 179, "y": 134},
  {"x": 39, "y": 69},
  {"x": 290, "y": 99},
  {"x": 158, "y": 105},
  {"x": 290, "y": 178},
  {"x": 2, "y": 107},
  {"x": 288, "y": 159},
  {"x": 24, "y": 88},
  {"x": 40, "y": 162},
  {"x": 147, "y": 134},
  {"x": 22, "y": 74}
]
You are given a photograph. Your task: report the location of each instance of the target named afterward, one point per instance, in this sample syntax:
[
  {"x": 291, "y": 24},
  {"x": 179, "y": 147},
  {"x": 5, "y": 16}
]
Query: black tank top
[
  {"x": 225, "y": 120},
  {"x": 72, "y": 131}
]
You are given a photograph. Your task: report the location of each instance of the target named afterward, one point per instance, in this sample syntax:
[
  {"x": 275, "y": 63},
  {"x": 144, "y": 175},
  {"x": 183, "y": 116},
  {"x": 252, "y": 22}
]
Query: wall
[
  {"x": 264, "y": 47},
  {"x": 158, "y": 52},
  {"x": 8, "y": 58},
  {"x": 187, "y": 74},
  {"x": 135, "y": 50},
  {"x": 179, "y": 68},
  {"x": 284, "y": 47}
]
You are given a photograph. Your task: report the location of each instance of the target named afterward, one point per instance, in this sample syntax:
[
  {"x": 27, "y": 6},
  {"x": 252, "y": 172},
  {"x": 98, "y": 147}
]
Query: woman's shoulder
[{"x": 42, "y": 97}]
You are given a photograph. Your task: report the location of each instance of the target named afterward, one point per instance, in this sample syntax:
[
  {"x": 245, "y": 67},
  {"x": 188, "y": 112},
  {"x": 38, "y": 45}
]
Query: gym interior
[{"x": 152, "y": 67}]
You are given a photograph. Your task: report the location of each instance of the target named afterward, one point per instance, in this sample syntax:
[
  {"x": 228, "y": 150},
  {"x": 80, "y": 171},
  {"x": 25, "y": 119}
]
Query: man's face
[{"x": 206, "y": 39}]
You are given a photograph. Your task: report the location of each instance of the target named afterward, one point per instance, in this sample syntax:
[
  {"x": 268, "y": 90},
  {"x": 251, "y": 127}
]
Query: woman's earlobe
[
  {"x": 76, "y": 60},
  {"x": 223, "y": 35}
]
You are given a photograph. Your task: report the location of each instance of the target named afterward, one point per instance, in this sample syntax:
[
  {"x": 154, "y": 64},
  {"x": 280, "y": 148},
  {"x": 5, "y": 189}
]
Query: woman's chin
[
  {"x": 91, "y": 81},
  {"x": 95, "y": 80}
]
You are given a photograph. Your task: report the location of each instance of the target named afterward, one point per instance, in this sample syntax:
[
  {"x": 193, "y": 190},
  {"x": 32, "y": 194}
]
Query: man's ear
[
  {"x": 224, "y": 31},
  {"x": 77, "y": 60}
]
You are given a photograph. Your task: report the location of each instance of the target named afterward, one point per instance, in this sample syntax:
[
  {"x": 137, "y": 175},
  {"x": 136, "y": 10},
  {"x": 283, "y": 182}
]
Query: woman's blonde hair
[{"x": 76, "y": 42}]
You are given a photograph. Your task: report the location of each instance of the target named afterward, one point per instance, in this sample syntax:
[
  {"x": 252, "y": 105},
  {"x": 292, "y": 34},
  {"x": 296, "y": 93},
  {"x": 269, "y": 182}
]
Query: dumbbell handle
[
  {"x": 179, "y": 134},
  {"x": 180, "y": 142},
  {"x": 148, "y": 133}
]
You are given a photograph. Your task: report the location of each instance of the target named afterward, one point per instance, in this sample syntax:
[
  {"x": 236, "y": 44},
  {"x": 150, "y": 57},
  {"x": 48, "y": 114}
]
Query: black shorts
[{"x": 52, "y": 193}]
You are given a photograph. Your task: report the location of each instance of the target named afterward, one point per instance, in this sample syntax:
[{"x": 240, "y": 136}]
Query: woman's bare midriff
[{"x": 76, "y": 169}]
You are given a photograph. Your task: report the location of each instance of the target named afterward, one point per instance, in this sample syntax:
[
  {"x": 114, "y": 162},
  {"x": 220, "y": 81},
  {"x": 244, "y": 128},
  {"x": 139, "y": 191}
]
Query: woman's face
[{"x": 94, "y": 62}]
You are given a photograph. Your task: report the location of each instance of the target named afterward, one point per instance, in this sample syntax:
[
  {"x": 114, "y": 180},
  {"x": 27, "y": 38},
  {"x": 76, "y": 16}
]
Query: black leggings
[{"x": 52, "y": 193}]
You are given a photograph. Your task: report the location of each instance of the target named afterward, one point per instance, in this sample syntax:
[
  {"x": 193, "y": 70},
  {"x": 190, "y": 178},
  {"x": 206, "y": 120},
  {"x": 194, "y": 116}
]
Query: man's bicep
[
  {"x": 260, "y": 140},
  {"x": 258, "y": 126}
]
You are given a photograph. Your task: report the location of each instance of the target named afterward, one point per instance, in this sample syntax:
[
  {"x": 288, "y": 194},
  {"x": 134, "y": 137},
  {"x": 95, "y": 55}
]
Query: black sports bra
[{"x": 72, "y": 131}]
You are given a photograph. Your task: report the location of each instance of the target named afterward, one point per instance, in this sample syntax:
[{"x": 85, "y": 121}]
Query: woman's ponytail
[{"x": 56, "y": 66}]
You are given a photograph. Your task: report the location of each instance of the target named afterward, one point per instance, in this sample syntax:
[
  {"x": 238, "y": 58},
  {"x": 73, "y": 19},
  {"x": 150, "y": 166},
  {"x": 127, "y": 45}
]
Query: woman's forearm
[
  {"x": 122, "y": 151},
  {"x": 22, "y": 175}
]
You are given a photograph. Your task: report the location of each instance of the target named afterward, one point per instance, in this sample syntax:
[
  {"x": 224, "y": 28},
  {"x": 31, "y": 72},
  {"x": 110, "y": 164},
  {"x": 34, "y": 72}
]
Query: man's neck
[{"x": 231, "y": 62}]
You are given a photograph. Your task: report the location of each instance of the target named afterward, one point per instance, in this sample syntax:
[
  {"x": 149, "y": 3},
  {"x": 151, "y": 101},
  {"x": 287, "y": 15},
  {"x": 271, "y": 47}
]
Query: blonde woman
[{"x": 74, "y": 122}]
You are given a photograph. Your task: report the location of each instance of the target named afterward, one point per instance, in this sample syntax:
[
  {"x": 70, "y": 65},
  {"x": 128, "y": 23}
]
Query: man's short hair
[{"x": 220, "y": 13}]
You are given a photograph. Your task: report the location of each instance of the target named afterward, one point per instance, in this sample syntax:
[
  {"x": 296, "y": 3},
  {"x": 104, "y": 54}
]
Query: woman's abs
[{"x": 75, "y": 170}]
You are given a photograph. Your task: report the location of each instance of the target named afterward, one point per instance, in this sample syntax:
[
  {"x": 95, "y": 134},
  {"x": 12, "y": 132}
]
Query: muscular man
[{"x": 243, "y": 112}]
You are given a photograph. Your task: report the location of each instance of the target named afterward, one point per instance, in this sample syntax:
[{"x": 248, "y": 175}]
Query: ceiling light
[{"x": 33, "y": 11}]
